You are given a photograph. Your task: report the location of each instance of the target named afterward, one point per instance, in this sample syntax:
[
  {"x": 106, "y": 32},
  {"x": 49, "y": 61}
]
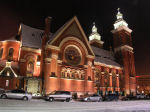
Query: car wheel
[
  {"x": 99, "y": 100},
  {"x": 88, "y": 99},
  {"x": 67, "y": 99},
  {"x": 4, "y": 96},
  {"x": 25, "y": 98},
  {"x": 51, "y": 99}
]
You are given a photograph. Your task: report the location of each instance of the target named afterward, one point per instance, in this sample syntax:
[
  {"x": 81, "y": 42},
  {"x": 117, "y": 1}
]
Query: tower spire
[
  {"x": 119, "y": 15},
  {"x": 95, "y": 37},
  {"x": 94, "y": 29},
  {"x": 120, "y": 21},
  {"x": 94, "y": 34}
]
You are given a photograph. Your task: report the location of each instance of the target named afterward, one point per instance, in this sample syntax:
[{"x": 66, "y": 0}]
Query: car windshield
[
  {"x": 60, "y": 92},
  {"x": 94, "y": 95},
  {"x": 18, "y": 91}
]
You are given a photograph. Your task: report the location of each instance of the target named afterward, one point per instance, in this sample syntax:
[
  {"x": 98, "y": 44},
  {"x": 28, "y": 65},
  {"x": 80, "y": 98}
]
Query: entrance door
[{"x": 33, "y": 86}]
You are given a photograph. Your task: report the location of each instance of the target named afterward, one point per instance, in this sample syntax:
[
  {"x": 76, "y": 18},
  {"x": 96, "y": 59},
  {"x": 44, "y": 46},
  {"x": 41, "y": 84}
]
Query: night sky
[{"x": 136, "y": 13}]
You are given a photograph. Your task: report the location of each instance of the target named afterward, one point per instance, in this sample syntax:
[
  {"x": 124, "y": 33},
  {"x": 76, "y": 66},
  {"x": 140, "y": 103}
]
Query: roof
[
  {"x": 57, "y": 32},
  {"x": 62, "y": 29},
  {"x": 8, "y": 71},
  {"x": 31, "y": 37},
  {"x": 104, "y": 56},
  {"x": 103, "y": 53}
]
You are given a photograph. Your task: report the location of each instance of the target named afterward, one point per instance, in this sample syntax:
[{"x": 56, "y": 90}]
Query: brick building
[
  {"x": 40, "y": 61},
  {"x": 143, "y": 84}
]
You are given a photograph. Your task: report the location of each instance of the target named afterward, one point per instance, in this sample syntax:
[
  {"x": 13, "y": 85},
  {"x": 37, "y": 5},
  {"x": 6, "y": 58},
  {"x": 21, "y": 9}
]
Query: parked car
[
  {"x": 17, "y": 94},
  {"x": 93, "y": 98},
  {"x": 1, "y": 91},
  {"x": 140, "y": 96},
  {"x": 130, "y": 97},
  {"x": 148, "y": 96},
  {"x": 59, "y": 95},
  {"x": 111, "y": 97}
]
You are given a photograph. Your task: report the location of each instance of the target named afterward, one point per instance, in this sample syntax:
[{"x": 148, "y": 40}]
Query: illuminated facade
[
  {"x": 41, "y": 62},
  {"x": 143, "y": 84}
]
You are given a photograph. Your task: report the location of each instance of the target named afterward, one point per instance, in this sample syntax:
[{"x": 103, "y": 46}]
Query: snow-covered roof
[
  {"x": 104, "y": 56},
  {"x": 103, "y": 53},
  {"x": 8, "y": 71},
  {"x": 31, "y": 37}
]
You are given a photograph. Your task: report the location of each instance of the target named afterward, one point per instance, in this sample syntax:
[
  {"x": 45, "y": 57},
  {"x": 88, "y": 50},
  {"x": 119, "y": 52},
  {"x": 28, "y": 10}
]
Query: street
[{"x": 36, "y": 105}]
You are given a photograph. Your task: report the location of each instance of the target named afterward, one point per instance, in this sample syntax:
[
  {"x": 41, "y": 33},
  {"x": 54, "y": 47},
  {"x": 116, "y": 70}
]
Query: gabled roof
[
  {"x": 104, "y": 56},
  {"x": 8, "y": 71},
  {"x": 103, "y": 53},
  {"x": 60, "y": 31},
  {"x": 31, "y": 37}
]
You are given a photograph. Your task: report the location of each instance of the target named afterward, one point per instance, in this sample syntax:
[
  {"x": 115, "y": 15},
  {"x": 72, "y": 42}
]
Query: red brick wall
[
  {"x": 26, "y": 55},
  {"x": 13, "y": 83},
  {"x": 6, "y": 45}
]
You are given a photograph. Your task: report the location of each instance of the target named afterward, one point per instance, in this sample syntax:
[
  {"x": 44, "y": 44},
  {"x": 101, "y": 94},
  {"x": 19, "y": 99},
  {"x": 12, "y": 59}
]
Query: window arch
[
  {"x": 30, "y": 67},
  {"x": 10, "y": 54}
]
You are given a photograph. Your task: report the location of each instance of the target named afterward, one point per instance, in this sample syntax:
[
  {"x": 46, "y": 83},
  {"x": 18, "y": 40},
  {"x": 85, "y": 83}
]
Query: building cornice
[
  {"x": 90, "y": 56},
  {"x": 31, "y": 49},
  {"x": 122, "y": 28},
  {"x": 125, "y": 47},
  {"x": 52, "y": 47},
  {"x": 110, "y": 66},
  {"x": 6, "y": 41}
]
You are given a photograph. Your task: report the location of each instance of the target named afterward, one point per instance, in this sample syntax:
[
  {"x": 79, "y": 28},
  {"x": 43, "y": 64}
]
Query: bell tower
[
  {"x": 124, "y": 54},
  {"x": 95, "y": 37}
]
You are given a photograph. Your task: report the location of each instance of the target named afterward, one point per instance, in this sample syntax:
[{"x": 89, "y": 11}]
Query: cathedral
[{"x": 40, "y": 62}]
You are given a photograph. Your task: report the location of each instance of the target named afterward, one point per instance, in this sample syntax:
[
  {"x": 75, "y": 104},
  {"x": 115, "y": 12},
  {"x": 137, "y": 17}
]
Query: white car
[
  {"x": 59, "y": 95},
  {"x": 93, "y": 98},
  {"x": 17, "y": 94}
]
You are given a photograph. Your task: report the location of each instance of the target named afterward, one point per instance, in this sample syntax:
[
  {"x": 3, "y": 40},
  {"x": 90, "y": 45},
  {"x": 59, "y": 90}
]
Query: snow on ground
[{"x": 36, "y": 105}]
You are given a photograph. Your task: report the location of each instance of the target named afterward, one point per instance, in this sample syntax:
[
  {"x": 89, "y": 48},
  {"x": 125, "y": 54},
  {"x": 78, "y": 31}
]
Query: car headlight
[{"x": 85, "y": 99}]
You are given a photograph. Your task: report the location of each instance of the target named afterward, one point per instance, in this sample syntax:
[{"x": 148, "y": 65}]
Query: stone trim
[
  {"x": 54, "y": 56},
  {"x": 122, "y": 28},
  {"x": 47, "y": 59},
  {"x": 110, "y": 66},
  {"x": 72, "y": 79},
  {"x": 31, "y": 49},
  {"x": 75, "y": 39},
  {"x": 22, "y": 60},
  {"x": 6, "y": 41},
  {"x": 125, "y": 47},
  {"x": 52, "y": 47},
  {"x": 90, "y": 56},
  {"x": 59, "y": 61}
]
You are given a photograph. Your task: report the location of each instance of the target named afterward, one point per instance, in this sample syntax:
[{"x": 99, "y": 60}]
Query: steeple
[
  {"x": 95, "y": 37},
  {"x": 119, "y": 15},
  {"x": 94, "y": 29},
  {"x": 94, "y": 34},
  {"x": 120, "y": 21}
]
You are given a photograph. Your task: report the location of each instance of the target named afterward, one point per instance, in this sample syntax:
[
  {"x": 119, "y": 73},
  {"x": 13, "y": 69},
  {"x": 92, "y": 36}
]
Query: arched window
[
  {"x": 30, "y": 68},
  {"x": 10, "y": 54},
  {"x": 1, "y": 53}
]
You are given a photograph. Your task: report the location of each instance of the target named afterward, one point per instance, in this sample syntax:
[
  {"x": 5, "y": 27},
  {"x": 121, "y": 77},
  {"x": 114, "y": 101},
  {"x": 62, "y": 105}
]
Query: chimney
[{"x": 48, "y": 24}]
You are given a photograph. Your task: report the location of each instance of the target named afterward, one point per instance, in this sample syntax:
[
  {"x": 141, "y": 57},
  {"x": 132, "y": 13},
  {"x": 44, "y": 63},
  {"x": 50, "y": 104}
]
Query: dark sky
[{"x": 103, "y": 12}]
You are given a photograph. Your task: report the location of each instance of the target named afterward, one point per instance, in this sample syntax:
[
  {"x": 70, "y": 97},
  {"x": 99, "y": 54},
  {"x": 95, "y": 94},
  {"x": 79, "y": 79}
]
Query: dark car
[
  {"x": 59, "y": 95},
  {"x": 111, "y": 97},
  {"x": 128, "y": 97}
]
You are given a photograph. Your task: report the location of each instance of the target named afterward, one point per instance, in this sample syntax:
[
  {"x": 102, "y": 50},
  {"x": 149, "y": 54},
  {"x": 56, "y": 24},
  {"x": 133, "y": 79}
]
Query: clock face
[{"x": 72, "y": 56}]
